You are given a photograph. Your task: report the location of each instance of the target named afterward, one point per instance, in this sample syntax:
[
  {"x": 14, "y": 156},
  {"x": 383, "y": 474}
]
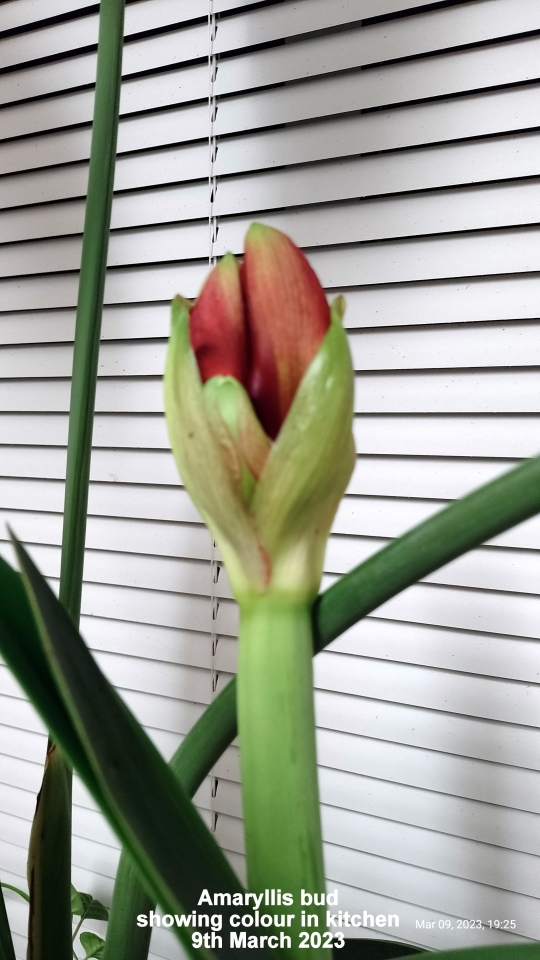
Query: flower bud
[{"x": 259, "y": 402}]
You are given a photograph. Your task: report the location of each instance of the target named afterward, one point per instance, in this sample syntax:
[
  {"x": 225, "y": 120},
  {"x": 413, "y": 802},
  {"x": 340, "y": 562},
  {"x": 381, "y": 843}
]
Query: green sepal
[
  {"x": 309, "y": 467},
  {"x": 207, "y": 459},
  {"x": 233, "y": 419}
]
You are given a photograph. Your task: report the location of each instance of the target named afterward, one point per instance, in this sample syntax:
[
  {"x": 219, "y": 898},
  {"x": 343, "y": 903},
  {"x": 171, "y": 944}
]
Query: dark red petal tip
[{"x": 217, "y": 324}]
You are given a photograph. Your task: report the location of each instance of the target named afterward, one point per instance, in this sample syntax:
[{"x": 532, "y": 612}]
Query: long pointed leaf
[
  {"x": 364, "y": 948},
  {"x": 7, "y": 951},
  {"x": 50, "y": 877},
  {"x": 150, "y": 812},
  {"x": 9, "y": 886},
  {"x": 507, "y": 951},
  {"x": 464, "y": 525},
  {"x": 125, "y": 940},
  {"x": 22, "y": 650},
  {"x": 209, "y": 737},
  {"x": 90, "y": 299}
]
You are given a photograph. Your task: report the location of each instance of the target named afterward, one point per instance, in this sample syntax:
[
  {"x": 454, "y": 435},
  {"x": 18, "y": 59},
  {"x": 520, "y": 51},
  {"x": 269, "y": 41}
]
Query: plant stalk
[
  {"x": 276, "y": 721},
  {"x": 78, "y": 927}
]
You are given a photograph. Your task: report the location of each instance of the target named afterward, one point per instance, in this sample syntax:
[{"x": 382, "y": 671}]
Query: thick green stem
[{"x": 276, "y": 724}]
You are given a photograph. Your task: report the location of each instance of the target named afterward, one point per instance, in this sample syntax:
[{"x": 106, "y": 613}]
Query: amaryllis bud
[{"x": 261, "y": 357}]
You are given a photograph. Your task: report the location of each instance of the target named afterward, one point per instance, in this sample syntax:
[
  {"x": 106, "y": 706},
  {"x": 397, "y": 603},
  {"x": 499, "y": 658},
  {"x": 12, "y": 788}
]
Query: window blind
[{"x": 397, "y": 142}]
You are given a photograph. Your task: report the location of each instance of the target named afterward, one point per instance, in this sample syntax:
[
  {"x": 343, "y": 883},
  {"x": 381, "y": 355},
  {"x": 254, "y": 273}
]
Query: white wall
[{"x": 404, "y": 155}]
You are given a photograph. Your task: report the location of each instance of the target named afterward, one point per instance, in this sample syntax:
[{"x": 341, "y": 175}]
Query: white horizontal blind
[{"x": 398, "y": 144}]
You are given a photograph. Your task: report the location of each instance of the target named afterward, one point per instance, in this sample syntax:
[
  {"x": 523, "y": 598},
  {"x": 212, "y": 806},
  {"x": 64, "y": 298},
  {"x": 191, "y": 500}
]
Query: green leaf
[
  {"x": 464, "y": 525},
  {"x": 125, "y": 940},
  {"x": 22, "y": 650},
  {"x": 9, "y": 886},
  {"x": 93, "y": 945},
  {"x": 364, "y": 948},
  {"x": 83, "y": 389},
  {"x": 84, "y": 905},
  {"x": 49, "y": 865},
  {"x": 370, "y": 949},
  {"x": 77, "y": 904},
  {"x": 208, "y": 739},
  {"x": 90, "y": 299},
  {"x": 144, "y": 803},
  {"x": 518, "y": 951},
  {"x": 7, "y": 951},
  {"x": 96, "y": 911},
  {"x": 308, "y": 470}
]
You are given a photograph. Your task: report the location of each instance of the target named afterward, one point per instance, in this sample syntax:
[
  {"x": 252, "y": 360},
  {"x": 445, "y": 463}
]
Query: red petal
[
  {"x": 288, "y": 317},
  {"x": 217, "y": 325}
]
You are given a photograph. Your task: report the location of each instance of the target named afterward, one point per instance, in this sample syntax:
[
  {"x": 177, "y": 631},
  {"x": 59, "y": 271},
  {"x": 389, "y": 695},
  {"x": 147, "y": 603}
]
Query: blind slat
[
  {"x": 443, "y": 75},
  {"x": 411, "y": 36}
]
